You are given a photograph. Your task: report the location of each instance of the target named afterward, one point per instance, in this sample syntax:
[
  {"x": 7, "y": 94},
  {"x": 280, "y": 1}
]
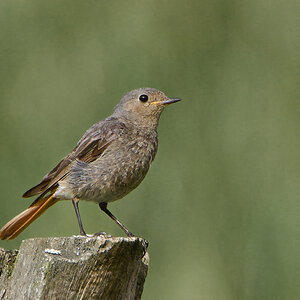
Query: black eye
[{"x": 143, "y": 98}]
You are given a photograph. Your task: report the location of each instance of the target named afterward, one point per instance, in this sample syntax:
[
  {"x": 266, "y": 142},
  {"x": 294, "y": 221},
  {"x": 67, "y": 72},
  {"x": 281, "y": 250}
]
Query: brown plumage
[
  {"x": 85, "y": 151},
  {"x": 15, "y": 226},
  {"x": 109, "y": 161}
]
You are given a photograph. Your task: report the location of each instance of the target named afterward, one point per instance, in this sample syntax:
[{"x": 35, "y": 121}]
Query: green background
[{"x": 220, "y": 205}]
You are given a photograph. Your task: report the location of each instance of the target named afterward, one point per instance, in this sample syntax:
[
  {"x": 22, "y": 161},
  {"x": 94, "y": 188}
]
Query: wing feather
[{"x": 91, "y": 146}]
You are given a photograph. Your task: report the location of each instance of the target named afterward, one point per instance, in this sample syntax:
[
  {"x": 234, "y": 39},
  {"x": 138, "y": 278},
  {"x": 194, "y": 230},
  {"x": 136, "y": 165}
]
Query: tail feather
[{"x": 15, "y": 226}]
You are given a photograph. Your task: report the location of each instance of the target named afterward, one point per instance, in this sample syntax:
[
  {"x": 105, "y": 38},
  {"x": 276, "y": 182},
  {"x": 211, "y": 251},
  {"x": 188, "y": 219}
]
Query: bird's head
[{"x": 143, "y": 106}]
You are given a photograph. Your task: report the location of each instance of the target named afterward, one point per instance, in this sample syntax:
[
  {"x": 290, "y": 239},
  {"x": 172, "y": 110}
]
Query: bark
[{"x": 74, "y": 268}]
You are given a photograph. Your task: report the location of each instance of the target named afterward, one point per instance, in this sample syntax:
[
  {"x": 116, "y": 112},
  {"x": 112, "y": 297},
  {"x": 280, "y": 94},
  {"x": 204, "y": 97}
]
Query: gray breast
[{"x": 119, "y": 170}]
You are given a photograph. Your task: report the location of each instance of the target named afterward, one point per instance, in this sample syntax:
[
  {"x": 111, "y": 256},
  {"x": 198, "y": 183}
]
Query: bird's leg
[
  {"x": 103, "y": 206},
  {"x": 75, "y": 203}
]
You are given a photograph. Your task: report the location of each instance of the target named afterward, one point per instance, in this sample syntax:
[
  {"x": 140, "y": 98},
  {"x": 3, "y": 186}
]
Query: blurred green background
[{"x": 220, "y": 205}]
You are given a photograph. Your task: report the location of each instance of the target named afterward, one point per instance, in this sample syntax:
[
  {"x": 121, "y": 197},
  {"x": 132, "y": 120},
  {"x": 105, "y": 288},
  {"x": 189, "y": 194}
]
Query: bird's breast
[{"x": 119, "y": 170}]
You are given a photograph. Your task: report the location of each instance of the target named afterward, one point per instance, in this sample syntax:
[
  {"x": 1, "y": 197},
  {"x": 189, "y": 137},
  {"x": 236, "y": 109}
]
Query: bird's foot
[
  {"x": 129, "y": 234},
  {"x": 145, "y": 243},
  {"x": 102, "y": 233}
]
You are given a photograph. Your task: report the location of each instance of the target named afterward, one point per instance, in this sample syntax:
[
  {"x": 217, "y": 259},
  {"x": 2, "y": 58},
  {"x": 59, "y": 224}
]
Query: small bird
[{"x": 110, "y": 160}]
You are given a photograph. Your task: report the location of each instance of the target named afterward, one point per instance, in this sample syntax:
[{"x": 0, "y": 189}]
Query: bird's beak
[
  {"x": 166, "y": 102},
  {"x": 170, "y": 101}
]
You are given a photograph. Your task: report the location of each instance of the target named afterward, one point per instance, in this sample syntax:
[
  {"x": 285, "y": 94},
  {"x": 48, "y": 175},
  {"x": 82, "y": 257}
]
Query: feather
[
  {"x": 88, "y": 149},
  {"x": 15, "y": 226}
]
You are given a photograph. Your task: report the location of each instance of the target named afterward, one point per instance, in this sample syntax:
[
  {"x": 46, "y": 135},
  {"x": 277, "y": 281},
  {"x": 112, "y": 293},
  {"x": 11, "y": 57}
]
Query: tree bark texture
[{"x": 74, "y": 268}]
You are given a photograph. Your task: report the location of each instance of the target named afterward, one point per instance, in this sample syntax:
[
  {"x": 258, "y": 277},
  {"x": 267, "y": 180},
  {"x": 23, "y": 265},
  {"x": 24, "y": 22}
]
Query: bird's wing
[{"x": 91, "y": 146}]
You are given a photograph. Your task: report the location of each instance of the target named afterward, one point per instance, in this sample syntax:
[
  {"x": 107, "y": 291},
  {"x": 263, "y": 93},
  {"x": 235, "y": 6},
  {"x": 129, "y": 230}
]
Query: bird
[{"x": 109, "y": 161}]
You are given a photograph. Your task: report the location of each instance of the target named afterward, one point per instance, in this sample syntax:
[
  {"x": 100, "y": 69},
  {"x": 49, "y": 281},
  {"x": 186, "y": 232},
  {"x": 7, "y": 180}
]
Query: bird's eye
[{"x": 143, "y": 98}]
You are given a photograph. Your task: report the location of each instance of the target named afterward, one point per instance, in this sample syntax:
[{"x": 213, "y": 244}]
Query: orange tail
[{"x": 15, "y": 226}]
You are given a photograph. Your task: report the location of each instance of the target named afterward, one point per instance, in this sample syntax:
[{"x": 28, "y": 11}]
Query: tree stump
[{"x": 74, "y": 268}]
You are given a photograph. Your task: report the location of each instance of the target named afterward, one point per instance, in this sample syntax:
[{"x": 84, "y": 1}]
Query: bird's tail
[{"x": 15, "y": 226}]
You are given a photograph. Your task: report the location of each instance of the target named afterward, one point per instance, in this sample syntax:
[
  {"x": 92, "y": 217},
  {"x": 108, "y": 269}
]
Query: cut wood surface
[{"x": 74, "y": 268}]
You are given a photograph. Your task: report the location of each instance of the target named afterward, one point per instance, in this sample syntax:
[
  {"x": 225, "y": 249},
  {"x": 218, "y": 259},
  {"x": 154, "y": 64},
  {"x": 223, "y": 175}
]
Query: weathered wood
[
  {"x": 7, "y": 263},
  {"x": 75, "y": 268}
]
